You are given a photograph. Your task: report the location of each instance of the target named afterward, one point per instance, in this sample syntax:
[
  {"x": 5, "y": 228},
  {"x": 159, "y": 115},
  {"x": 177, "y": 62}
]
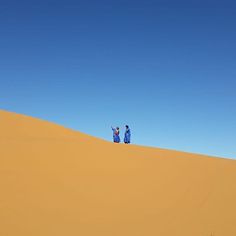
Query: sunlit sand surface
[{"x": 58, "y": 182}]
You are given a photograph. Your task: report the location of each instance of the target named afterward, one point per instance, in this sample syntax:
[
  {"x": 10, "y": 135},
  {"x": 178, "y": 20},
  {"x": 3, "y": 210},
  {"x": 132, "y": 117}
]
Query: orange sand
[{"x": 55, "y": 181}]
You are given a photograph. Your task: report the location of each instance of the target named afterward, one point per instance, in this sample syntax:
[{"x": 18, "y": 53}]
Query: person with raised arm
[{"x": 116, "y": 134}]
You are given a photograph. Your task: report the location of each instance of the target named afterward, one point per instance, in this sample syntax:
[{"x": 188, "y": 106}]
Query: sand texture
[{"x": 58, "y": 182}]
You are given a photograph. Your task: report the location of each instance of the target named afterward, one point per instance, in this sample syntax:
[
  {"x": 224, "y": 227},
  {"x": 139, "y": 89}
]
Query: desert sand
[{"x": 58, "y": 182}]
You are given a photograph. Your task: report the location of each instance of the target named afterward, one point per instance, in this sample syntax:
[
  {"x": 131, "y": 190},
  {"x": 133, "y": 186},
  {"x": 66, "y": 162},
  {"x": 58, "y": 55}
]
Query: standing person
[
  {"x": 116, "y": 133},
  {"x": 127, "y": 135}
]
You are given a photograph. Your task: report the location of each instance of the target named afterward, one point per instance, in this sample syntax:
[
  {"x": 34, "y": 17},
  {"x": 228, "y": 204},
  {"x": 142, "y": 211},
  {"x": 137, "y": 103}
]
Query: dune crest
[{"x": 55, "y": 181}]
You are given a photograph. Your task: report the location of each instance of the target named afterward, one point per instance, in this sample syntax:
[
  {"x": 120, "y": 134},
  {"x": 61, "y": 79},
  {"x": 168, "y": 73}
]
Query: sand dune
[{"x": 55, "y": 181}]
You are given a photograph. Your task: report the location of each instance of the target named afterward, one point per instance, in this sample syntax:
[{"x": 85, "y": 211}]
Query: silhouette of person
[{"x": 127, "y": 135}]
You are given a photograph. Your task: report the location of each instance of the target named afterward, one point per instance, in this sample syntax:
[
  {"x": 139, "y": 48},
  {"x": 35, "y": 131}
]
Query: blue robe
[
  {"x": 127, "y": 136},
  {"x": 116, "y": 137}
]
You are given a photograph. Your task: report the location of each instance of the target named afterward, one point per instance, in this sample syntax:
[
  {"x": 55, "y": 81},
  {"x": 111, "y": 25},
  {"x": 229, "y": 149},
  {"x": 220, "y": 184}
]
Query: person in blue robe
[
  {"x": 116, "y": 134},
  {"x": 127, "y": 135}
]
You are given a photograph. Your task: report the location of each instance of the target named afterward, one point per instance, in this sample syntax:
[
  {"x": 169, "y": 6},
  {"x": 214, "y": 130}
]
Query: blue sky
[{"x": 166, "y": 68}]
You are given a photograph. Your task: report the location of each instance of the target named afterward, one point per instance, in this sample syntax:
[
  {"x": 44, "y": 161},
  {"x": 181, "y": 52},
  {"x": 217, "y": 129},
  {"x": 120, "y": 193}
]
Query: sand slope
[{"x": 55, "y": 181}]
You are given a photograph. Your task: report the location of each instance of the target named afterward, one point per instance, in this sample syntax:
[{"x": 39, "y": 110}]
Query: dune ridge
[{"x": 56, "y": 181}]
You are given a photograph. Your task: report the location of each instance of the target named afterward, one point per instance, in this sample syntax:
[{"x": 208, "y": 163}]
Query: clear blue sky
[{"x": 166, "y": 68}]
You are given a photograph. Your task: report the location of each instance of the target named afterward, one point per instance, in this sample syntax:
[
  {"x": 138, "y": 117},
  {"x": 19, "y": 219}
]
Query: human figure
[
  {"x": 127, "y": 135},
  {"x": 116, "y": 133}
]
